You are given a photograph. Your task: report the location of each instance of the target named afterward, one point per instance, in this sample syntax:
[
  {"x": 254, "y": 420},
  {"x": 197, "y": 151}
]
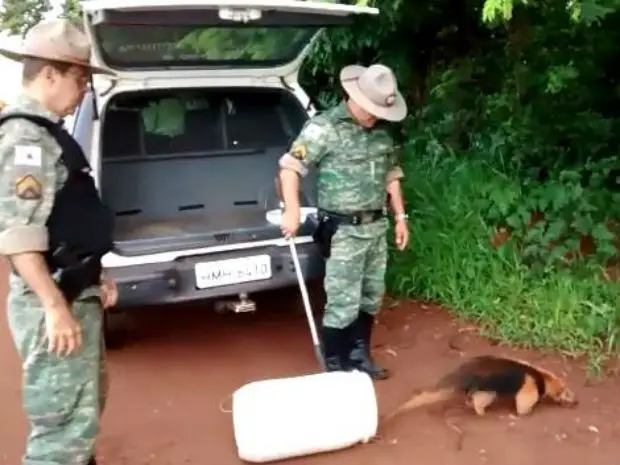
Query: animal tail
[{"x": 421, "y": 399}]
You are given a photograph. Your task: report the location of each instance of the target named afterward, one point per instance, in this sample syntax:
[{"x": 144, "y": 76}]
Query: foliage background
[
  {"x": 511, "y": 156},
  {"x": 511, "y": 160}
]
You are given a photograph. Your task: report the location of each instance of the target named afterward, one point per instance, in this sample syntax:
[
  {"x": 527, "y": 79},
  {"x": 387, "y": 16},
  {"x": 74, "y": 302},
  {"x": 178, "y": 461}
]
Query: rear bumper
[{"x": 174, "y": 281}]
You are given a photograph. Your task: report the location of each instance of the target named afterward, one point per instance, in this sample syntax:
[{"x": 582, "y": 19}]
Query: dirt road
[{"x": 181, "y": 363}]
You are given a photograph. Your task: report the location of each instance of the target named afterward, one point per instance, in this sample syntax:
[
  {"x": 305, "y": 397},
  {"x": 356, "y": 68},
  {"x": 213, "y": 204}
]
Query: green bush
[
  {"x": 510, "y": 120},
  {"x": 451, "y": 261}
]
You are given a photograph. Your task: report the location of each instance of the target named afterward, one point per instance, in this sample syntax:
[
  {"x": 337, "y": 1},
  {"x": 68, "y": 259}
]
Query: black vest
[{"x": 80, "y": 225}]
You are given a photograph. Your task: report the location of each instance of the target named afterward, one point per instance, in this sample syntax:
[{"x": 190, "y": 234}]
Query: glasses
[{"x": 81, "y": 76}]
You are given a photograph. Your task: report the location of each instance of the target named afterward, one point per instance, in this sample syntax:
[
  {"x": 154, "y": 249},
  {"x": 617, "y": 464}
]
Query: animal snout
[{"x": 569, "y": 398}]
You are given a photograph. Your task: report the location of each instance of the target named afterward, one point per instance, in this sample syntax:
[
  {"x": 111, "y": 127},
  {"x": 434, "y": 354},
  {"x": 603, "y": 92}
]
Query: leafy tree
[
  {"x": 71, "y": 9},
  {"x": 18, "y": 16}
]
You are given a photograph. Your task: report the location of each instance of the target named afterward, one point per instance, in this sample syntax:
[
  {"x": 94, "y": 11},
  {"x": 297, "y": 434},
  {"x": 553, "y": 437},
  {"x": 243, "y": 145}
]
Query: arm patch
[
  {"x": 28, "y": 187},
  {"x": 299, "y": 152}
]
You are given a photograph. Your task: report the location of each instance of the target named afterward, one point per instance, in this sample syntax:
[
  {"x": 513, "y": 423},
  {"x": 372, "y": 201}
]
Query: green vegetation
[
  {"x": 18, "y": 16},
  {"x": 452, "y": 261},
  {"x": 511, "y": 158}
]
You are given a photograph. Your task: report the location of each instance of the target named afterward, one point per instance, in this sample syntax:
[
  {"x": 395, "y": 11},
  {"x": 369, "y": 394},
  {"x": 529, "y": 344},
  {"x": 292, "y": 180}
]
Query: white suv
[{"x": 184, "y": 144}]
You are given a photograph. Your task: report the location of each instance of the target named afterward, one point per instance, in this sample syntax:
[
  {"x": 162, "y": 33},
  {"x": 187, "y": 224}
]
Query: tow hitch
[{"x": 242, "y": 305}]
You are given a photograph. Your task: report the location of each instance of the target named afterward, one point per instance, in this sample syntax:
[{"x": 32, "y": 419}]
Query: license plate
[{"x": 232, "y": 271}]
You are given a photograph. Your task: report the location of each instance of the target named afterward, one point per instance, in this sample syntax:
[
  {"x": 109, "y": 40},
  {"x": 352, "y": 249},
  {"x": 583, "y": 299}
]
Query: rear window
[
  {"x": 140, "y": 46},
  {"x": 186, "y": 122}
]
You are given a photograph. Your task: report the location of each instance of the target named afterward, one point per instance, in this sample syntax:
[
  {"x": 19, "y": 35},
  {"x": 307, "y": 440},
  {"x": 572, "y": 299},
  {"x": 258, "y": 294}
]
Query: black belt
[{"x": 353, "y": 218}]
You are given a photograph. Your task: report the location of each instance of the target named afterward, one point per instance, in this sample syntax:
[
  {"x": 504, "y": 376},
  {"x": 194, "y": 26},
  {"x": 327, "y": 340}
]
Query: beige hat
[
  {"x": 375, "y": 90},
  {"x": 56, "y": 40}
]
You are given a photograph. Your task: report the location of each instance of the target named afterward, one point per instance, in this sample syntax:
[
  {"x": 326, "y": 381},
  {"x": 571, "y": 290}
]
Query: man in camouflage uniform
[
  {"x": 61, "y": 346},
  {"x": 357, "y": 170}
]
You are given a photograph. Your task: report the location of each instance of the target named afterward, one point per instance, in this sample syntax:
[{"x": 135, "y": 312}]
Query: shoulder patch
[
  {"x": 28, "y": 187},
  {"x": 299, "y": 152},
  {"x": 27, "y": 155}
]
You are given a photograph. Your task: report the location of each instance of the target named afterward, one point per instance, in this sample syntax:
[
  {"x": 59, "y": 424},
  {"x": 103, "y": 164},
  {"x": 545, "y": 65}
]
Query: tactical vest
[{"x": 80, "y": 225}]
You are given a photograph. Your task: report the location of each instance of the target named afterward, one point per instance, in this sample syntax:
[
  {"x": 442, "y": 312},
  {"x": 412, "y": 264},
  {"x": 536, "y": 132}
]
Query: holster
[
  {"x": 76, "y": 274},
  {"x": 323, "y": 234}
]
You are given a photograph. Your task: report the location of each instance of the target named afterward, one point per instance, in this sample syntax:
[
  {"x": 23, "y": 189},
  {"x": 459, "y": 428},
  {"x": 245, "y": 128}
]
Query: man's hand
[
  {"x": 290, "y": 222},
  {"x": 401, "y": 229},
  {"x": 63, "y": 331},
  {"x": 401, "y": 234},
  {"x": 109, "y": 292}
]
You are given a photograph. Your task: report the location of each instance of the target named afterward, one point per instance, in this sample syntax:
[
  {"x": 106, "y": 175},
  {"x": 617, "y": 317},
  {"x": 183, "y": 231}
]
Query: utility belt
[
  {"x": 330, "y": 221},
  {"x": 74, "y": 272}
]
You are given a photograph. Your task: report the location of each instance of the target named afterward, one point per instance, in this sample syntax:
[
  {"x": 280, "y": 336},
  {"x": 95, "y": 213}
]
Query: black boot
[
  {"x": 359, "y": 356},
  {"x": 335, "y": 348},
  {"x": 92, "y": 461}
]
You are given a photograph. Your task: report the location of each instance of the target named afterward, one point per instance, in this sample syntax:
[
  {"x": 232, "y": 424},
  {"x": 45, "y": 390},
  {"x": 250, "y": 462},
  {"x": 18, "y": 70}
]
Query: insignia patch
[
  {"x": 28, "y": 188},
  {"x": 27, "y": 155},
  {"x": 299, "y": 152}
]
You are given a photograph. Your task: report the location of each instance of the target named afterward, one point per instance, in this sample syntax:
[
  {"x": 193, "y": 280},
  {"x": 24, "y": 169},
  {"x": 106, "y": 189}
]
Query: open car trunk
[
  {"x": 188, "y": 168},
  {"x": 195, "y": 167}
]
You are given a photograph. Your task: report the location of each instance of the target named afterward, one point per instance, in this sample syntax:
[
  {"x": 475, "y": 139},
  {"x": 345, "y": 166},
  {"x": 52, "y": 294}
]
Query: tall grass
[{"x": 451, "y": 261}]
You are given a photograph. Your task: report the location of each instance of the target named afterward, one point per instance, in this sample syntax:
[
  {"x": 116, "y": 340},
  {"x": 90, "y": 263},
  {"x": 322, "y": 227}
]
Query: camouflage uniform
[
  {"x": 354, "y": 165},
  {"x": 63, "y": 397}
]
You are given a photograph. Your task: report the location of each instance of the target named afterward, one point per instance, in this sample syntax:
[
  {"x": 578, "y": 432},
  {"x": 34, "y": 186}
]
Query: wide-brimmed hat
[
  {"x": 375, "y": 90},
  {"x": 56, "y": 40}
]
